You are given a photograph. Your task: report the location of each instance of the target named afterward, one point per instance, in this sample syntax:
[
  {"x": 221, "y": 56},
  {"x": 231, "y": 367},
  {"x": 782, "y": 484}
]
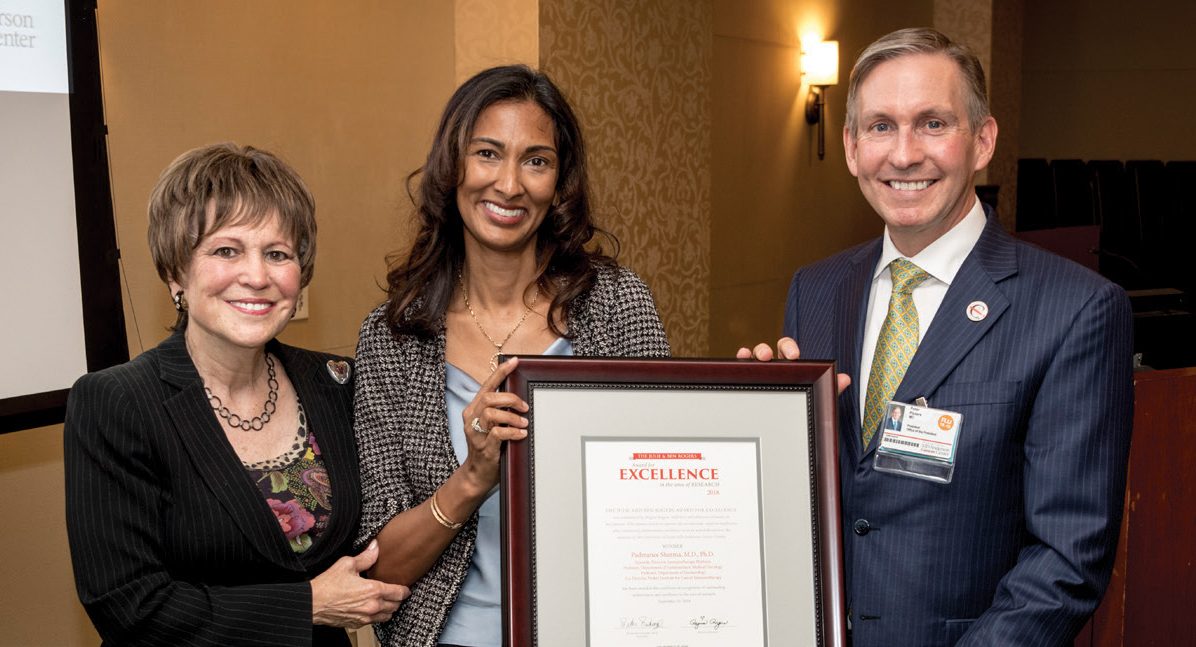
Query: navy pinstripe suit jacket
[
  {"x": 1018, "y": 548},
  {"x": 172, "y": 543}
]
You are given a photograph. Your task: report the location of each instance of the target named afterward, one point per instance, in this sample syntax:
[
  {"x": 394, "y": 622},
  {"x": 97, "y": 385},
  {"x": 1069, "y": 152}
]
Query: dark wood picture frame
[{"x": 813, "y": 378}]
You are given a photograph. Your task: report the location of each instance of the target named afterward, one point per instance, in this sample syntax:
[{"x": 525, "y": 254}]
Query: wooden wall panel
[{"x": 1152, "y": 596}]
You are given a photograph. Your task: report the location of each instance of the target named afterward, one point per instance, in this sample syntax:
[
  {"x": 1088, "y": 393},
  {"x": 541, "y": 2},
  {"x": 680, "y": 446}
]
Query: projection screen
[{"x": 59, "y": 282}]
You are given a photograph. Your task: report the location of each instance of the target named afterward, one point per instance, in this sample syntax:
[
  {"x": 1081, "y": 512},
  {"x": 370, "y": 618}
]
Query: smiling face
[
  {"x": 241, "y": 287},
  {"x": 914, "y": 152},
  {"x": 509, "y": 177}
]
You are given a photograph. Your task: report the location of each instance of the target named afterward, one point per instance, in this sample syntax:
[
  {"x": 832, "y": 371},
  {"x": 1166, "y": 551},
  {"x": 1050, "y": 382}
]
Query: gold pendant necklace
[{"x": 527, "y": 310}]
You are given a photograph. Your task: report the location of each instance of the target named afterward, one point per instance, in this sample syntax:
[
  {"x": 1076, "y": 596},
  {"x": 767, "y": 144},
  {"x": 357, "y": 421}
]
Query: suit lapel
[
  {"x": 213, "y": 457},
  {"x": 952, "y": 335},
  {"x": 853, "y": 299},
  {"x": 331, "y": 427}
]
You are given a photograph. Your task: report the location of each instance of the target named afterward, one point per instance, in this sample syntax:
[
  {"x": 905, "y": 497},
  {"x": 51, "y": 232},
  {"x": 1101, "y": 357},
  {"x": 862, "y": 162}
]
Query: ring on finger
[{"x": 476, "y": 425}]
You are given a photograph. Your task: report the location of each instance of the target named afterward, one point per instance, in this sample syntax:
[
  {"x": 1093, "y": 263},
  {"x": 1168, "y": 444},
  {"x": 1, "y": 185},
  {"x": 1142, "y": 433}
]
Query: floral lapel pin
[{"x": 339, "y": 370}]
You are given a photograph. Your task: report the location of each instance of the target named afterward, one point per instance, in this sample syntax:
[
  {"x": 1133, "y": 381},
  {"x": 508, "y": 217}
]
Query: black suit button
[{"x": 862, "y": 527}]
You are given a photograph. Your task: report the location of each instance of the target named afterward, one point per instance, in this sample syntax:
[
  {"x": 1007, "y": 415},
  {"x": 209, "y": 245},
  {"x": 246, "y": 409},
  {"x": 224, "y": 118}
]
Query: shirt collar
[{"x": 942, "y": 258}]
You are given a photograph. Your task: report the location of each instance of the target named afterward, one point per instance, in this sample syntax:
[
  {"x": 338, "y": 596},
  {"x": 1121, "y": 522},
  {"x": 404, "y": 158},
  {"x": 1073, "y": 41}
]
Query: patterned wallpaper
[
  {"x": 1005, "y": 96},
  {"x": 993, "y": 31},
  {"x": 638, "y": 74},
  {"x": 969, "y": 22}
]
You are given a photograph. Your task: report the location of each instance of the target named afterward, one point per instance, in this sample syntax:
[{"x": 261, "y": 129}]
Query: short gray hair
[{"x": 921, "y": 40}]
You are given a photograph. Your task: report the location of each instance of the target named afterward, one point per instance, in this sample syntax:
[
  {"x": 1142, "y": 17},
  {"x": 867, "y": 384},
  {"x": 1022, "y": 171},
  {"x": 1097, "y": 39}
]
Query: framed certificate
[{"x": 681, "y": 503}]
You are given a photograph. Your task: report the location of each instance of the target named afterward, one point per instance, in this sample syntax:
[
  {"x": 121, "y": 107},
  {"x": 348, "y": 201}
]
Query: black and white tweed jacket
[{"x": 401, "y": 422}]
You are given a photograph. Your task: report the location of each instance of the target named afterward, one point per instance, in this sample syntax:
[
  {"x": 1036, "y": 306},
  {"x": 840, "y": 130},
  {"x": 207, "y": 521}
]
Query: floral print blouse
[{"x": 297, "y": 488}]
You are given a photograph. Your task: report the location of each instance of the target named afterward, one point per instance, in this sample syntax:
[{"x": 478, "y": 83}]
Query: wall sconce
[{"x": 820, "y": 70}]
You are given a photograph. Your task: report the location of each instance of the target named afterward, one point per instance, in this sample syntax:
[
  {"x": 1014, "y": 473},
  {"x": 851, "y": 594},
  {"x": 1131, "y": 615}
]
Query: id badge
[{"x": 918, "y": 441}]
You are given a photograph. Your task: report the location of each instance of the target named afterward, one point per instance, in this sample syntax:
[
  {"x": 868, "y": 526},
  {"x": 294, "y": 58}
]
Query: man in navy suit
[
  {"x": 1033, "y": 352},
  {"x": 894, "y": 420}
]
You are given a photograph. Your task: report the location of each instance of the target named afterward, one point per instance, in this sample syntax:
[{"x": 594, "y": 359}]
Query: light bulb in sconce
[
  {"x": 820, "y": 70},
  {"x": 820, "y": 63}
]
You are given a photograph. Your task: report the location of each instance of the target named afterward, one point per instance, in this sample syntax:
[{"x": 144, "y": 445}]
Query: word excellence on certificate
[{"x": 668, "y": 474}]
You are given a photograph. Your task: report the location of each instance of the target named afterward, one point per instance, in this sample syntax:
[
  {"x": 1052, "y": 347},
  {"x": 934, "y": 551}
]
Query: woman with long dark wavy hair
[{"x": 505, "y": 261}]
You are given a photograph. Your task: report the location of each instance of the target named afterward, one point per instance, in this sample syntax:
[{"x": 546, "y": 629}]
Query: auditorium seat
[
  {"x": 1178, "y": 227},
  {"x": 1035, "y": 195},
  {"x": 1148, "y": 181},
  {"x": 1073, "y": 194},
  {"x": 1117, "y": 213},
  {"x": 1140, "y": 219},
  {"x": 1144, "y": 208}
]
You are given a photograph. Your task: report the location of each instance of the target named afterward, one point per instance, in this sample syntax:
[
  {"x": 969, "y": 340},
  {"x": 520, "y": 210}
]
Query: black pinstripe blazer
[
  {"x": 172, "y": 543},
  {"x": 1018, "y": 548}
]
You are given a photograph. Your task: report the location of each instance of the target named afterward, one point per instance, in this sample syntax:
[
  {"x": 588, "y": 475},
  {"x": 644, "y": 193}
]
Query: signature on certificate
[
  {"x": 640, "y": 624},
  {"x": 707, "y": 624}
]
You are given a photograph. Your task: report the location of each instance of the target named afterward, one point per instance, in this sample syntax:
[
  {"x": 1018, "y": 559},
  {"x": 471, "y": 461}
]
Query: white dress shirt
[{"x": 941, "y": 260}]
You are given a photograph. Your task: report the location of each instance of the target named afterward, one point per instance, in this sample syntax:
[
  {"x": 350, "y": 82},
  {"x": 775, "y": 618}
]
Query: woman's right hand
[
  {"x": 498, "y": 414},
  {"x": 341, "y": 597},
  {"x": 415, "y": 539}
]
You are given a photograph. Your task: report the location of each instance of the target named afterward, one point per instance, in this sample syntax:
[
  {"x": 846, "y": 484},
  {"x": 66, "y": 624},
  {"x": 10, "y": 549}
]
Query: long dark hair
[{"x": 420, "y": 285}]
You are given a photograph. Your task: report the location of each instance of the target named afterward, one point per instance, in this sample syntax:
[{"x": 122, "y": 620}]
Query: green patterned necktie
[{"x": 896, "y": 344}]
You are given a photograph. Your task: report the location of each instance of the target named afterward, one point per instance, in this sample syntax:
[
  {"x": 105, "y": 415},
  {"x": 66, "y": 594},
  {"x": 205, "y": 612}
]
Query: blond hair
[{"x": 921, "y": 40}]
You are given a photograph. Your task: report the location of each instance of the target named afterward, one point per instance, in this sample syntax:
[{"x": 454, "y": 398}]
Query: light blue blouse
[{"x": 476, "y": 618}]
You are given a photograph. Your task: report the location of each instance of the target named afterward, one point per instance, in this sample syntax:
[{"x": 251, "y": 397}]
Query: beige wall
[
  {"x": 775, "y": 205},
  {"x": 495, "y": 32},
  {"x": 37, "y": 591},
  {"x": 1106, "y": 79},
  {"x": 637, "y": 73},
  {"x": 348, "y": 93}
]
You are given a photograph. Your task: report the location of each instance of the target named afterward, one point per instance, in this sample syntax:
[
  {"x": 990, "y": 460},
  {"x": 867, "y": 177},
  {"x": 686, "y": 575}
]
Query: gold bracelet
[{"x": 441, "y": 518}]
